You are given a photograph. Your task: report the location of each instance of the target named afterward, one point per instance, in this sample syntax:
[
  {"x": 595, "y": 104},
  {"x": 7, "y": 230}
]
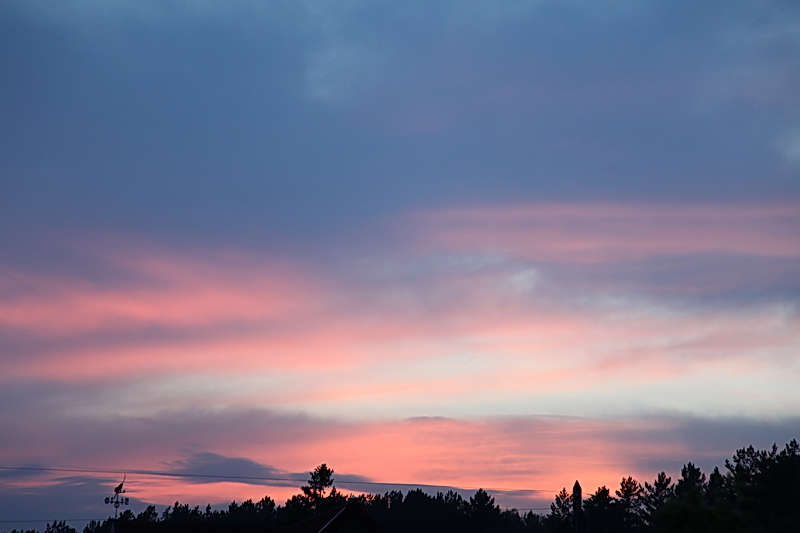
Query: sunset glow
[{"x": 497, "y": 246}]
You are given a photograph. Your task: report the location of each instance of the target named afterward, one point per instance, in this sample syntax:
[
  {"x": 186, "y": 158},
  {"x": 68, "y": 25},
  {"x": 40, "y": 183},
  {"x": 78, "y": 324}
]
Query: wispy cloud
[
  {"x": 526, "y": 459},
  {"x": 599, "y": 233},
  {"x": 474, "y": 306},
  {"x": 513, "y": 347},
  {"x": 420, "y": 241}
]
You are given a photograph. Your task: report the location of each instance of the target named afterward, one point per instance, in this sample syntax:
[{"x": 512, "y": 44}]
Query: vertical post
[
  {"x": 576, "y": 505},
  {"x": 116, "y": 501}
]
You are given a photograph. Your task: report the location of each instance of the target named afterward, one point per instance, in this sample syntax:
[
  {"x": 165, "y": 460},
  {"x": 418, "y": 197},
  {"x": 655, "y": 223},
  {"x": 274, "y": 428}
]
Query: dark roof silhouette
[{"x": 347, "y": 518}]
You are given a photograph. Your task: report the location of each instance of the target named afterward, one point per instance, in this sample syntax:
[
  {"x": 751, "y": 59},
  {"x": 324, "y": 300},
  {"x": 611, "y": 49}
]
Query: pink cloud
[
  {"x": 418, "y": 333},
  {"x": 169, "y": 290},
  {"x": 352, "y": 351},
  {"x": 511, "y": 341},
  {"x": 539, "y": 455},
  {"x": 607, "y": 232}
]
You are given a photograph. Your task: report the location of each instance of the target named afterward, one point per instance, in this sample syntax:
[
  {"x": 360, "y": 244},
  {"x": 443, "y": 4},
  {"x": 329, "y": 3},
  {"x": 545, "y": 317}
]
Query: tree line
[{"x": 758, "y": 491}]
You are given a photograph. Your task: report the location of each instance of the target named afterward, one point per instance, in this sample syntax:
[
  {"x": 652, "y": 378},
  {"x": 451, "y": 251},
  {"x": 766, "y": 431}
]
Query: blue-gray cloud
[
  {"x": 208, "y": 467},
  {"x": 267, "y": 123},
  {"x": 77, "y": 499},
  {"x": 681, "y": 438}
]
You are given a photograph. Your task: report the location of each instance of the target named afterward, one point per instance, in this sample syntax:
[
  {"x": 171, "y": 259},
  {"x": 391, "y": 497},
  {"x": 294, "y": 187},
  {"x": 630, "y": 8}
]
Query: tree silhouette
[
  {"x": 660, "y": 492},
  {"x": 692, "y": 479},
  {"x": 560, "y": 517},
  {"x": 59, "y": 527},
  {"x": 314, "y": 497},
  {"x": 321, "y": 479},
  {"x": 602, "y": 512},
  {"x": 484, "y": 514},
  {"x": 766, "y": 486},
  {"x": 629, "y": 504},
  {"x": 757, "y": 492}
]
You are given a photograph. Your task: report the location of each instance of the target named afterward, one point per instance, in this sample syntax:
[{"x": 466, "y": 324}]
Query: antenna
[{"x": 117, "y": 500}]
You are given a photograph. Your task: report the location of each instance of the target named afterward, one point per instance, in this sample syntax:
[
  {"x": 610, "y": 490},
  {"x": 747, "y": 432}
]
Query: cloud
[
  {"x": 78, "y": 499},
  {"x": 171, "y": 291},
  {"x": 789, "y": 144},
  {"x": 542, "y": 338},
  {"x": 198, "y": 120},
  {"x": 349, "y": 229},
  {"x": 336, "y": 72},
  {"x": 522, "y": 460},
  {"x": 599, "y": 233},
  {"x": 208, "y": 467},
  {"x": 695, "y": 304}
]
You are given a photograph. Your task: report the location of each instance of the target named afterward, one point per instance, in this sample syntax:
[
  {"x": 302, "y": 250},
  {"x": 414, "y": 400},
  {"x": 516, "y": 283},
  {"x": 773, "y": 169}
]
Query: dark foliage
[
  {"x": 758, "y": 492},
  {"x": 55, "y": 527}
]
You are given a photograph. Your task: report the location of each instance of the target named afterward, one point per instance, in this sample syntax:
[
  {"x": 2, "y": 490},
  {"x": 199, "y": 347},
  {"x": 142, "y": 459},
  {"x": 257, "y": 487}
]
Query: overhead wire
[
  {"x": 255, "y": 478},
  {"x": 242, "y": 478},
  {"x": 43, "y": 521}
]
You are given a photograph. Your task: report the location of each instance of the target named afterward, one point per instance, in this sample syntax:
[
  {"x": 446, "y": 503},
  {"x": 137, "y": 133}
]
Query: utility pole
[{"x": 576, "y": 505}]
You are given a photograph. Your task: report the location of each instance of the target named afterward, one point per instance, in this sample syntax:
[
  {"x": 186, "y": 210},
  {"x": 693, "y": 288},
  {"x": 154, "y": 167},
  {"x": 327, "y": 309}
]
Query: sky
[{"x": 503, "y": 244}]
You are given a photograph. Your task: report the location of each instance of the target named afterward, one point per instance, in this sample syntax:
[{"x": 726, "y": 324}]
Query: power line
[
  {"x": 145, "y": 472},
  {"x": 252, "y": 478},
  {"x": 232, "y": 477},
  {"x": 42, "y": 521},
  {"x": 62, "y": 520}
]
